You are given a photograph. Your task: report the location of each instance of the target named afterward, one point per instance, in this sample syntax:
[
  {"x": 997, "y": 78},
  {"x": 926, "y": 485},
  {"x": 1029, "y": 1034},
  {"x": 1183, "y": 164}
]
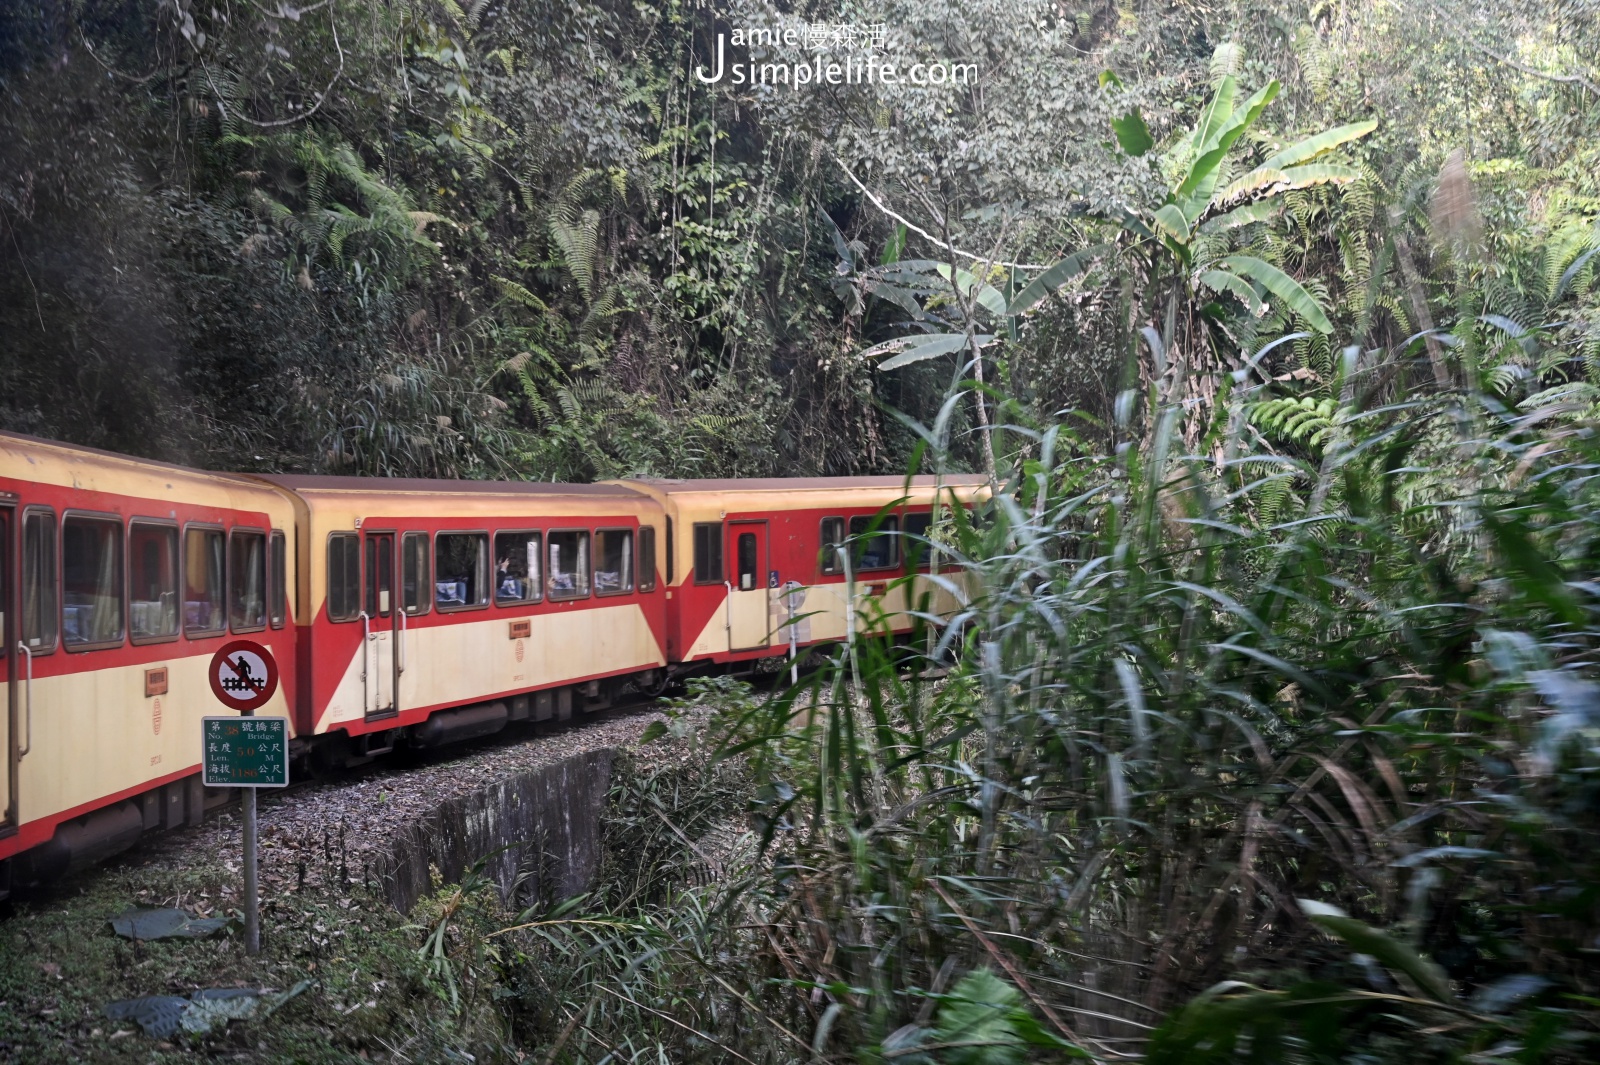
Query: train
[{"x": 400, "y": 612}]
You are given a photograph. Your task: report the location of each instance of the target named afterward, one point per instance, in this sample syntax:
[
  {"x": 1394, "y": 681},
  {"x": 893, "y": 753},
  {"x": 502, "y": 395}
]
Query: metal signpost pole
[
  {"x": 246, "y": 752},
  {"x": 252, "y": 901}
]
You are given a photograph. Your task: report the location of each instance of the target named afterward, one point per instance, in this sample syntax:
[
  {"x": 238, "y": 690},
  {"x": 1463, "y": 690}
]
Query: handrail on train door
[
  {"x": 28, "y": 687},
  {"x": 366, "y": 638}
]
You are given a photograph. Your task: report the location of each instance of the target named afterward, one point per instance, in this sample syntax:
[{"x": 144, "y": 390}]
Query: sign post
[{"x": 245, "y": 752}]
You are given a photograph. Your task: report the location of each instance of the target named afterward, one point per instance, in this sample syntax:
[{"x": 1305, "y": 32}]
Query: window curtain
[{"x": 250, "y": 593}]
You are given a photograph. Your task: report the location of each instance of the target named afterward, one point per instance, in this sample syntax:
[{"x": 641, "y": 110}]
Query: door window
[
  {"x": 516, "y": 568},
  {"x": 613, "y": 563},
  {"x": 39, "y": 610},
  {"x": 152, "y": 581},
  {"x": 91, "y": 581},
  {"x": 747, "y": 561},
  {"x": 380, "y": 575},
  {"x": 647, "y": 558},
  {"x": 247, "y": 581}
]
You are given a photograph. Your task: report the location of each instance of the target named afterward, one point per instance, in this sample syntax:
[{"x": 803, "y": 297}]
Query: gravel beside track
[{"x": 330, "y": 834}]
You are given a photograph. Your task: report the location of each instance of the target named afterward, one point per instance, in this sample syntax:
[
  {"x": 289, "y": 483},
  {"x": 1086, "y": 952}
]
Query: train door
[
  {"x": 748, "y": 625},
  {"x": 381, "y": 667},
  {"x": 11, "y": 679}
]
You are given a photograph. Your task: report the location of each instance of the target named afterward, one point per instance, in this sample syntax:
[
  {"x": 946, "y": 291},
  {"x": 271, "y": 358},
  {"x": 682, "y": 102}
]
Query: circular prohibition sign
[{"x": 244, "y": 675}]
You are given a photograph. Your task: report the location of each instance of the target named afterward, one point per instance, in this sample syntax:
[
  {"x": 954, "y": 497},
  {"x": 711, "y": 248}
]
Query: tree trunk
[{"x": 985, "y": 432}]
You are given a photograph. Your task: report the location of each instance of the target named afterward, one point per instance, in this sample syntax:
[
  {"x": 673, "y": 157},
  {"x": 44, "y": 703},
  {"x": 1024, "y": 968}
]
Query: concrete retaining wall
[{"x": 547, "y": 821}]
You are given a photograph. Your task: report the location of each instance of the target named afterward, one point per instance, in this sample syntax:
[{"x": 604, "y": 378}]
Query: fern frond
[{"x": 520, "y": 294}]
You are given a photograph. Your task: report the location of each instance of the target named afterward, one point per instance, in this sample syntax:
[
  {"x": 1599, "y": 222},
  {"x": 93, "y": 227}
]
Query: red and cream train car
[
  {"x": 746, "y": 556},
  {"x": 437, "y": 611},
  {"x": 119, "y": 578},
  {"x": 399, "y": 611}
]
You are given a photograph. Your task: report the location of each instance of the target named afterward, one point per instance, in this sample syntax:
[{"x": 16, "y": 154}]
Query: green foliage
[
  {"x": 459, "y": 956},
  {"x": 1319, "y": 1021},
  {"x": 1301, "y": 419},
  {"x": 1265, "y": 617},
  {"x": 981, "y": 1021},
  {"x": 1132, "y": 134},
  {"x": 1160, "y": 708},
  {"x": 317, "y": 192}
]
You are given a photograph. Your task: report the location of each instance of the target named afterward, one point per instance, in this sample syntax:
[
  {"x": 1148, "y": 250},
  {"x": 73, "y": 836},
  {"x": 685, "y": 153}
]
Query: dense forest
[
  {"x": 1268, "y": 727},
  {"x": 519, "y": 238}
]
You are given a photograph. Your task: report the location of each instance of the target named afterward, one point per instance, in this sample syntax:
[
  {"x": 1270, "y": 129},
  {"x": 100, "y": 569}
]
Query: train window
[
  {"x": 380, "y": 575},
  {"x": 414, "y": 573},
  {"x": 278, "y": 583},
  {"x": 91, "y": 581},
  {"x": 613, "y": 561},
  {"x": 516, "y": 568},
  {"x": 746, "y": 558},
  {"x": 915, "y": 537},
  {"x": 881, "y": 550},
  {"x": 708, "y": 553},
  {"x": 647, "y": 558},
  {"x": 202, "y": 581},
  {"x": 569, "y": 564},
  {"x": 671, "y": 562},
  {"x": 832, "y": 537},
  {"x": 460, "y": 570},
  {"x": 344, "y": 577},
  {"x": 247, "y": 580},
  {"x": 152, "y": 581},
  {"x": 39, "y": 610}
]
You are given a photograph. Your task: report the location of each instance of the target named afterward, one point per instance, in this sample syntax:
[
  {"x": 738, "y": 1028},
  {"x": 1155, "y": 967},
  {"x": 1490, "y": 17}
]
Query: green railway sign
[{"x": 245, "y": 752}]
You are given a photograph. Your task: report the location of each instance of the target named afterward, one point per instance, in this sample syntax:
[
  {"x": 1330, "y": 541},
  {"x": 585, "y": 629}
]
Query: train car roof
[
  {"x": 31, "y": 450},
  {"x": 428, "y": 486},
  {"x": 339, "y": 499},
  {"x": 672, "y": 486}
]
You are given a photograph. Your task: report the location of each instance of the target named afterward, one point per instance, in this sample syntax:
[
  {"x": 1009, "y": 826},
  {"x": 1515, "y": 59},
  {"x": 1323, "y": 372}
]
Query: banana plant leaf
[
  {"x": 1281, "y": 285},
  {"x": 1053, "y": 278},
  {"x": 907, "y": 350}
]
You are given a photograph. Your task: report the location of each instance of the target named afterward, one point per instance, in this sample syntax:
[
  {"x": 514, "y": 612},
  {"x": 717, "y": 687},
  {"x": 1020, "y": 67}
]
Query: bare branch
[
  {"x": 924, "y": 234},
  {"x": 322, "y": 98},
  {"x": 1564, "y": 79}
]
